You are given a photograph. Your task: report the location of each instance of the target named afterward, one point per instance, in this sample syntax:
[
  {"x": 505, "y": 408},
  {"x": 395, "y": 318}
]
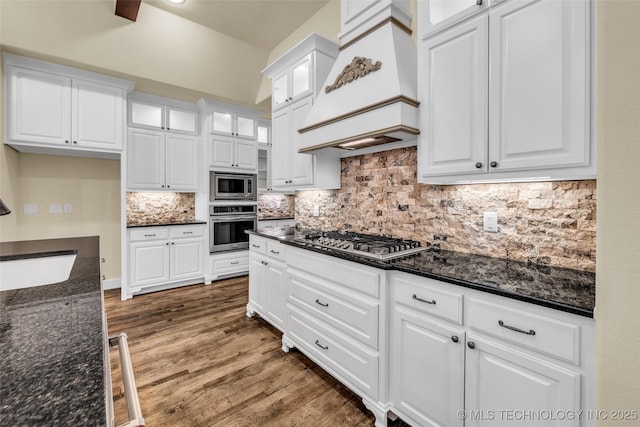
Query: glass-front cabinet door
[
  {"x": 222, "y": 123},
  {"x": 181, "y": 120},
  {"x": 146, "y": 114},
  {"x": 280, "y": 90},
  {"x": 245, "y": 127},
  {"x": 438, "y": 14},
  {"x": 301, "y": 78}
]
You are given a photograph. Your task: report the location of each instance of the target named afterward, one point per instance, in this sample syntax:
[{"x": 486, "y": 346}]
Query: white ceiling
[{"x": 262, "y": 23}]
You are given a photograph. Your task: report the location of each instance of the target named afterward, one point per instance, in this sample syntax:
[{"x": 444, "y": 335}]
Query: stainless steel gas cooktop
[{"x": 365, "y": 245}]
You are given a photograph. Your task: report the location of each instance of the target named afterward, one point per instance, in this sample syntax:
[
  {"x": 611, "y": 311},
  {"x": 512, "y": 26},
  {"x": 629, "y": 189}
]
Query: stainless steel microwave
[{"x": 232, "y": 186}]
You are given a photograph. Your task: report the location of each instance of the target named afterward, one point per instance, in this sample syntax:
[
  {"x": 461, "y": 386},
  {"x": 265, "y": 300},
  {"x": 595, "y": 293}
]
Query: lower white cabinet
[
  {"x": 267, "y": 280},
  {"x": 228, "y": 264},
  {"x": 165, "y": 255}
]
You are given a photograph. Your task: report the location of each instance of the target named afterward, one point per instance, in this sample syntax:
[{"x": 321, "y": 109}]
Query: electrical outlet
[
  {"x": 142, "y": 207},
  {"x": 67, "y": 208},
  {"x": 490, "y": 222},
  {"x": 55, "y": 208},
  {"x": 30, "y": 209},
  {"x": 316, "y": 210}
]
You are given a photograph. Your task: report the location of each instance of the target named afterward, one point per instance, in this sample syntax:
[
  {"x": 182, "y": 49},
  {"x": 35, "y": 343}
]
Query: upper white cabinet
[
  {"x": 439, "y": 14},
  {"x": 507, "y": 95},
  {"x": 151, "y": 112},
  {"x": 232, "y": 154},
  {"x": 53, "y": 109},
  {"x": 293, "y": 84},
  {"x": 296, "y": 79},
  {"x": 224, "y": 122},
  {"x": 159, "y": 161}
]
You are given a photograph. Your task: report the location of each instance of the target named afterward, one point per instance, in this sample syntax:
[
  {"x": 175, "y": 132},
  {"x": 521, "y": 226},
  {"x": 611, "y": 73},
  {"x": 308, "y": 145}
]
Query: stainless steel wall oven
[{"x": 227, "y": 226}]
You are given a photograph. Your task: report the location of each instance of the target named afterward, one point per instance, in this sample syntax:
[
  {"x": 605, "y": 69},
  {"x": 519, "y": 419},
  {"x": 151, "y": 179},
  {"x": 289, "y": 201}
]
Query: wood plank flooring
[{"x": 199, "y": 361}]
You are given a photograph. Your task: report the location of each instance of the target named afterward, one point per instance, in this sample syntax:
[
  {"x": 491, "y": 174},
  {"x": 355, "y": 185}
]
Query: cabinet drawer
[
  {"x": 186, "y": 231},
  {"x": 151, "y": 233},
  {"x": 351, "y": 275},
  {"x": 258, "y": 244},
  {"x": 276, "y": 250},
  {"x": 541, "y": 333},
  {"x": 347, "y": 313},
  {"x": 428, "y": 296},
  {"x": 230, "y": 264},
  {"x": 349, "y": 361}
]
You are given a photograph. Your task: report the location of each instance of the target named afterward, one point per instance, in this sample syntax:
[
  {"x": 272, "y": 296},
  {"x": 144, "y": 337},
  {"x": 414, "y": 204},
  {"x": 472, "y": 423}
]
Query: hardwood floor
[{"x": 199, "y": 361}]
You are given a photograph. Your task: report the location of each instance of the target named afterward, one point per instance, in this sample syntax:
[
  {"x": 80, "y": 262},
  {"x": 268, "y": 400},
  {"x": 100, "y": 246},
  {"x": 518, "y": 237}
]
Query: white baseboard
[{"x": 111, "y": 283}]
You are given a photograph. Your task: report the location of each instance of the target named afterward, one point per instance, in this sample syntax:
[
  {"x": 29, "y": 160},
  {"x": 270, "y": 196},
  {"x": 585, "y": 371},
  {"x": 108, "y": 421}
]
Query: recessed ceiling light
[{"x": 176, "y": 1}]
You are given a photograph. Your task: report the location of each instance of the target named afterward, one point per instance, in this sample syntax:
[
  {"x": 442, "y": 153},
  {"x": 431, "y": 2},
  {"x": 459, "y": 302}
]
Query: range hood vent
[{"x": 369, "y": 99}]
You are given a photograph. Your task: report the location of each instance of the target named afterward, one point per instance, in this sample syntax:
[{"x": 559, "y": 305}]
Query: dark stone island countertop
[
  {"x": 572, "y": 291},
  {"x": 51, "y": 342}
]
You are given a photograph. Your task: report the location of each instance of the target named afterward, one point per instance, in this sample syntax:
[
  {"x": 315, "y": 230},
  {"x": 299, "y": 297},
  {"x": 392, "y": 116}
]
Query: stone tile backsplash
[
  {"x": 276, "y": 206},
  {"x": 160, "y": 208},
  {"x": 550, "y": 223}
]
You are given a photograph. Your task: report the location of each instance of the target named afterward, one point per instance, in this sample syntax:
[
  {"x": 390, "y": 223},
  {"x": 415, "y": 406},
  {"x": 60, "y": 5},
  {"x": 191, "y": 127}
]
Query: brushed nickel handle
[
  {"x": 322, "y": 346},
  {"x": 513, "y": 328},
  {"x": 417, "y": 298},
  {"x": 130, "y": 393}
]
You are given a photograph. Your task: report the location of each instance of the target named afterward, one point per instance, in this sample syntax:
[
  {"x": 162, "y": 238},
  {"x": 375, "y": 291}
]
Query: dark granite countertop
[
  {"x": 274, "y": 218},
  {"x": 51, "y": 342},
  {"x": 562, "y": 289},
  {"x": 165, "y": 224}
]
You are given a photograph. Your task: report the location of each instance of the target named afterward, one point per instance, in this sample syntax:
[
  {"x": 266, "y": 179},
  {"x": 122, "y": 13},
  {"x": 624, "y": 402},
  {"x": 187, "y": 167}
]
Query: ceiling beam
[{"x": 128, "y": 9}]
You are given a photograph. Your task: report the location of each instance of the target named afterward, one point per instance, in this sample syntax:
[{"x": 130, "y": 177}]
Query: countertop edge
[{"x": 166, "y": 225}]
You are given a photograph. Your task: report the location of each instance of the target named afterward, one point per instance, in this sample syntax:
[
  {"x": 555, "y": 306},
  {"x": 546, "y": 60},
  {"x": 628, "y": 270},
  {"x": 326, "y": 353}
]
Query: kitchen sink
[{"x": 35, "y": 271}]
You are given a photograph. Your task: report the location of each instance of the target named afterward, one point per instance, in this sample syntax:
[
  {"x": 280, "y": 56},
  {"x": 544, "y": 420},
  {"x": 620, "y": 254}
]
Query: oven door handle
[{"x": 215, "y": 218}]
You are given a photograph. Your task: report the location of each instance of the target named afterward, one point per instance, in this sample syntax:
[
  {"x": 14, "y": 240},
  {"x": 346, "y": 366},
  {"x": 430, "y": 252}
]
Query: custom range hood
[{"x": 369, "y": 100}]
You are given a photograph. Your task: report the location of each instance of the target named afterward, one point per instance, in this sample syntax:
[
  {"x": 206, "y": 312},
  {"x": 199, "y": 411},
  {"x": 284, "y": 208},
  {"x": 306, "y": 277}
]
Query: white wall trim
[{"x": 111, "y": 283}]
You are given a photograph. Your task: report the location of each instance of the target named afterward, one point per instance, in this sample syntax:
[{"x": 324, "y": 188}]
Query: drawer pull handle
[
  {"x": 256, "y": 246},
  {"x": 264, "y": 263},
  {"x": 417, "y": 298},
  {"x": 187, "y": 232},
  {"x": 513, "y": 328},
  {"x": 322, "y": 346},
  {"x": 274, "y": 252},
  {"x": 150, "y": 235},
  {"x": 235, "y": 262},
  {"x": 319, "y": 303}
]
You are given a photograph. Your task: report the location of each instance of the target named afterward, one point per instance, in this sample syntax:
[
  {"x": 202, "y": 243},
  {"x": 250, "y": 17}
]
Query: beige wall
[
  {"x": 158, "y": 49},
  {"x": 618, "y": 269}
]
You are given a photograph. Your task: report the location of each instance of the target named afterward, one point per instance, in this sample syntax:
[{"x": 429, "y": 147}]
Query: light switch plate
[
  {"x": 316, "y": 210},
  {"x": 55, "y": 208},
  {"x": 30, "y": 209},
  {"x": 67, "y": 208},
  {"x": 490, "y": 222}
]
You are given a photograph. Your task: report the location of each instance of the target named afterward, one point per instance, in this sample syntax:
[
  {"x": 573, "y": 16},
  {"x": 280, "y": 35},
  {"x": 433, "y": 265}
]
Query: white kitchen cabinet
[
  {"x": 159, "y": 161},
  {"x": 151, "y": 112},
  {"x": 165, "y": 256},
  {"x": 228, "y": 264},
  {"x": 534, "y": 120},
  {"x": 227, "y": 122},
  {"x": 290, "y": 168},
  {"x": 427, "y": 369},
  {"x": 263, "y": 132},
  {"x": 293, "y": 84},
  {"x": 267, "y": 280},
  {"x": 52, "y": 108},
  {"x": 500, "y": 379},
  {"x": 297, "y": 77},
  {"x": 453, "y": 82},
  {"x": 264, "y": 169},
  {"x": 230, "y": 153}
]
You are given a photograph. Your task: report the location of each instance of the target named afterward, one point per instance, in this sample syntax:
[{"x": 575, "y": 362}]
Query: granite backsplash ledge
[
  {"x": 160, "y": 208},
  {"x": 549, "y": 223}
]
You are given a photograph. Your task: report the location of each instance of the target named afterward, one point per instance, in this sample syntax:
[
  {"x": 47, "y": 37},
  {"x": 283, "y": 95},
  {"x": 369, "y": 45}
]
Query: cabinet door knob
[
  {"x": 493, "y": 164},
  {"x": 75, "y": 142},
  {"x": 479, "y": 165},
  {"x": 454, "y": 338},
  {"x": 66, "y": 141},
  {"x": 167, "y": 243},
  {"x": 163, "y": 186},
  {"x": 471, "y": 345},
  {"x": 479, "y": 2}
]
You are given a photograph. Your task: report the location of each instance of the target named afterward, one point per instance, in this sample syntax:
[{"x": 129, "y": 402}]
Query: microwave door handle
[{"x": 233, "y": 218}]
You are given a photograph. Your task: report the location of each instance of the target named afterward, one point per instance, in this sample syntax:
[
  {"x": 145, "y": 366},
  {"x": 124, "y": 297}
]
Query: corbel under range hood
[{"x": 369, "y": 100}]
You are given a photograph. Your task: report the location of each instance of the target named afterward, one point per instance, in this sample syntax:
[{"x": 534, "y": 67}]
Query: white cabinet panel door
[
  {"x": 148, "y": 263},
  {"x": 221, "y": 152},
  {"x": 186, "y": 258},
  {"x": 40, "y": 107},
  {"x": 98, "y": 115},
  {"x": 179, "y": 120},
  {"x": 301, "y": 164},
  {"x": 146, "y": 160},
  {"x": 246, "y": 156},
  {"x": 301, "y": 78},
  {"x": 427, "y": 369},
  {"x": 275, "y": 295},
  {"x": 539, "y": 53},
  {"x": 454, "y": 104},
  {"x": 438, "y": 14},
  {"x": 280, "y": 148},
  {"x": 280, "y": 91},
  {"x": 257, "y": 282},
  {"x": 182, "y": 162},
  {"x": 499, "y": 378},
  {"x": 146, "y": 114},
  {"x": 245, "y": 127}
]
